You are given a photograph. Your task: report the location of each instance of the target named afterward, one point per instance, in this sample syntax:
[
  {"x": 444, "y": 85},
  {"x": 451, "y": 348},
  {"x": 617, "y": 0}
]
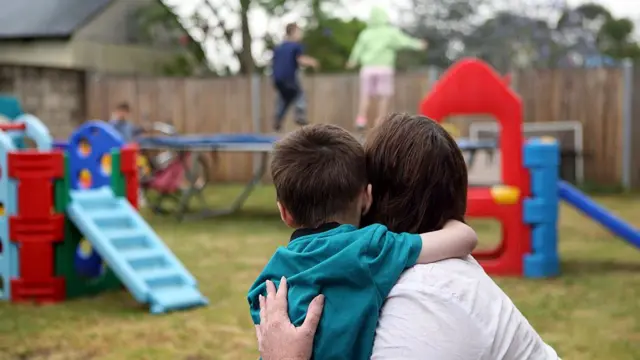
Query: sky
[{"x": 360, "y": 8}]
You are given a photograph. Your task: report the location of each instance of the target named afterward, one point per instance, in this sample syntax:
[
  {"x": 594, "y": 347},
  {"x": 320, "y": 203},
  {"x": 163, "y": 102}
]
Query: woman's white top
[{"x": 452, "y": 310}]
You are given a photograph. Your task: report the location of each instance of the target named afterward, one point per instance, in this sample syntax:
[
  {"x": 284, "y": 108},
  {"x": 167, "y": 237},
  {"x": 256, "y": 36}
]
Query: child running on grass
[
  {"x": 375, "y": 52},
  {"x": 287, "y": 58},
  {"x": 319, "y": 172}
]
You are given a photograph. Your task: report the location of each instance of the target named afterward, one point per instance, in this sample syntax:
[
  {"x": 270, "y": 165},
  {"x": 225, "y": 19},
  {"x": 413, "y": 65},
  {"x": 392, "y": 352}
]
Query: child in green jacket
[{"x": 375, "y": 52}]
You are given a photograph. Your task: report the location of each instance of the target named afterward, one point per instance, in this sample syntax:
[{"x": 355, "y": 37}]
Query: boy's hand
[
  {"x": 350, "y": 65},
  {"x": 307, "y": 61},
  {"x": 425, "y": 44},
  {"x": 278, "y": 338}
]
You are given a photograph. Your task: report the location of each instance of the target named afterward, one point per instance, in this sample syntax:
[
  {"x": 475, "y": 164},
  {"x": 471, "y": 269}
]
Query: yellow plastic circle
[
  {"x": 84, "y": 148},
  {"x": 548, "y": 140},
  {"x": 143, "y": 165},
  {"x": 85, "y": 249},
  {"x": 85, "y": 179},
  {"x": 105, "y": 164},
  {"x": 505, "y": 195},
  {"x": 451, "y": 129}
]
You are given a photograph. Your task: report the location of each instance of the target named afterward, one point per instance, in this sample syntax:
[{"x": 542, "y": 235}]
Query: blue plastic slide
[
  {"x": 144, "y": 264},
  {"x": 590, "y": 208}
]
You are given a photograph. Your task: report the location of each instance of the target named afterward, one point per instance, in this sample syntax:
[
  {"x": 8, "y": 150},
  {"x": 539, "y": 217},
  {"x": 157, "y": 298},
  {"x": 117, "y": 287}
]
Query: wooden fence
[{"x": 593, "y": 97}]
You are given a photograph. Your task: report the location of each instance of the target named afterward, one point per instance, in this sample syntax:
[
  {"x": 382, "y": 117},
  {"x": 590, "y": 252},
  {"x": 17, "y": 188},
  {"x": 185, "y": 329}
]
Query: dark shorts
[
  {"x": 289, "y": 93},
  {"x": 288, "y": 90}
]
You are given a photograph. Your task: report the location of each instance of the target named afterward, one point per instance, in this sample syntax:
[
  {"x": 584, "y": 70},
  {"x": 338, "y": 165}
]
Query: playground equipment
[
  {"x": 70, "y": 225},
  {"x": 527, "y": 201}
]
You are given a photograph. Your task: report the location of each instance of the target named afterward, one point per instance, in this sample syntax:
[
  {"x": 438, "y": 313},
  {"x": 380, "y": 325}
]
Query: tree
[
  {"x": 158, "y": 25},
  {"x": 327, "y": 38},
  {"x": 519, "y": 33},
  {"x": 615, "y": 39},
  {"x": 596, "y": 32},
  {"x": 509, "y": 41},
  {"x": 444, "y": 24},
  {"x": 223, "y": 27}
]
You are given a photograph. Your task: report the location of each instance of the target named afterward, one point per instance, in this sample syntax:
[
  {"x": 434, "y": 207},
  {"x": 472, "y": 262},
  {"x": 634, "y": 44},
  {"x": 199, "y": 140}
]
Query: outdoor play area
[{"x": 89, "y": 274}]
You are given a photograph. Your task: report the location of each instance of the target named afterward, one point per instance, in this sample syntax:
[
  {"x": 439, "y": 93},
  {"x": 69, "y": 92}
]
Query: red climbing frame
[
  {"x": 471, "y": 87},
  {"x": 129, "y": 168},
  {"x": 36, "y": 228}
]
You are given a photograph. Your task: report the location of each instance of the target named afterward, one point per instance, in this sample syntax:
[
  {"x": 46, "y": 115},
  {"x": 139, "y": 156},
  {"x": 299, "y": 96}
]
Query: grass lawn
[{"x": 591, "y": 312}]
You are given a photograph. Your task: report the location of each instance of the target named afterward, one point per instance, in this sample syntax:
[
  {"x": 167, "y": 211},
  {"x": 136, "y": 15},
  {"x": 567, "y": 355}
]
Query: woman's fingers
[
  {"x": 314, "y": 313},
  {"x": 271, "y": 291},
  {"x": 283, "y": 288},
  {"x": 263, "y": 309},
  {"x": 280, "y": 304}
]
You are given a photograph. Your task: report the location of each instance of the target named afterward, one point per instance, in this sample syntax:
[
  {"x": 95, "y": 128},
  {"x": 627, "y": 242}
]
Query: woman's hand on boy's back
[{"x": 278, "y": 338}]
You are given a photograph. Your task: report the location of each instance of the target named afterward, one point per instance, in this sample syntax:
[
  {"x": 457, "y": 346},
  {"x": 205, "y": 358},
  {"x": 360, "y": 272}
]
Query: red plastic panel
[
  {"x": 36, "y": 228},
  {"x": 129, "y": 168},
  {"x": 12, "y": 126}
]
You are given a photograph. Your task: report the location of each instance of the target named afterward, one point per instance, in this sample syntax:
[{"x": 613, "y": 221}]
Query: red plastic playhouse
[{"x": 471, "y": 87}]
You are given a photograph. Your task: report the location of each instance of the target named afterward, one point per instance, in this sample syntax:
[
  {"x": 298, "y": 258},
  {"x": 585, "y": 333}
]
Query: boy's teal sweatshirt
[
  {"x": 378, "y": 44},
  {"x": 353, "y": 268}
]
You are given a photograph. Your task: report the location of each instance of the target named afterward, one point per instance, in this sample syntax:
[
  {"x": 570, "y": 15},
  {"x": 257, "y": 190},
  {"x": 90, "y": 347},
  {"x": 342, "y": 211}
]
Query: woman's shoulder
[
  {"x": 457, "y": 268},
  {"x": 462, "y": 281}
]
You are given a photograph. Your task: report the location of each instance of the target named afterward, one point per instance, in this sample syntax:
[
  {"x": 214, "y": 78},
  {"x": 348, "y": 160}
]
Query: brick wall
[{"x": 56, "y": 96}]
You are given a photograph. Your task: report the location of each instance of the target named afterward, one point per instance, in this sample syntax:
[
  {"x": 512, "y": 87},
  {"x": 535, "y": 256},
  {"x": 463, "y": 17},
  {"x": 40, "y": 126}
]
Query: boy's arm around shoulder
[
  {"x": 388, "y": 254},
  {"x": 456, "y": 239}
]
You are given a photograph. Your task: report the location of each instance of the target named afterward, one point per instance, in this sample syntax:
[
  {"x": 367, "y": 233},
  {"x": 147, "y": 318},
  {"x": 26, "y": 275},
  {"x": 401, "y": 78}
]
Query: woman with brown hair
[{"x": 446, "y": 310}]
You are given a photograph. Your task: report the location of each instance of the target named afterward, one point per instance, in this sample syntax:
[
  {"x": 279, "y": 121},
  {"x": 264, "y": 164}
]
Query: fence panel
[{"x": 593, "y": 97}]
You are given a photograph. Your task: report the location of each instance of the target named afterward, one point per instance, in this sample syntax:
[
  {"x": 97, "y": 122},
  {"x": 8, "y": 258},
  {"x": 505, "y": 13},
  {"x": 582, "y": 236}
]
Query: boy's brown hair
[
  {"x": 417, "y": 173},
  {"x": 123, "y": 106},
  {"x": 290, "y": 29},
  {"x": 318, "y": 172}
]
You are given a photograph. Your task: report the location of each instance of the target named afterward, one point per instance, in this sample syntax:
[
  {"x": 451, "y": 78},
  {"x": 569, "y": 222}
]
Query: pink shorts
[{"x": 377, "y": 81}]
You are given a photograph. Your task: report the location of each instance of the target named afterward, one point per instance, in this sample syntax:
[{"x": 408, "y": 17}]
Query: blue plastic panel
[
  {"x": 37, "y": 131},
  {"x": 10, "y": 107},
  {"x": 541, "y": 153},
  {"x": 542, "y": 158},
  {"x": 101, "y": 138},
  {"x": 9, "y": 255}
]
